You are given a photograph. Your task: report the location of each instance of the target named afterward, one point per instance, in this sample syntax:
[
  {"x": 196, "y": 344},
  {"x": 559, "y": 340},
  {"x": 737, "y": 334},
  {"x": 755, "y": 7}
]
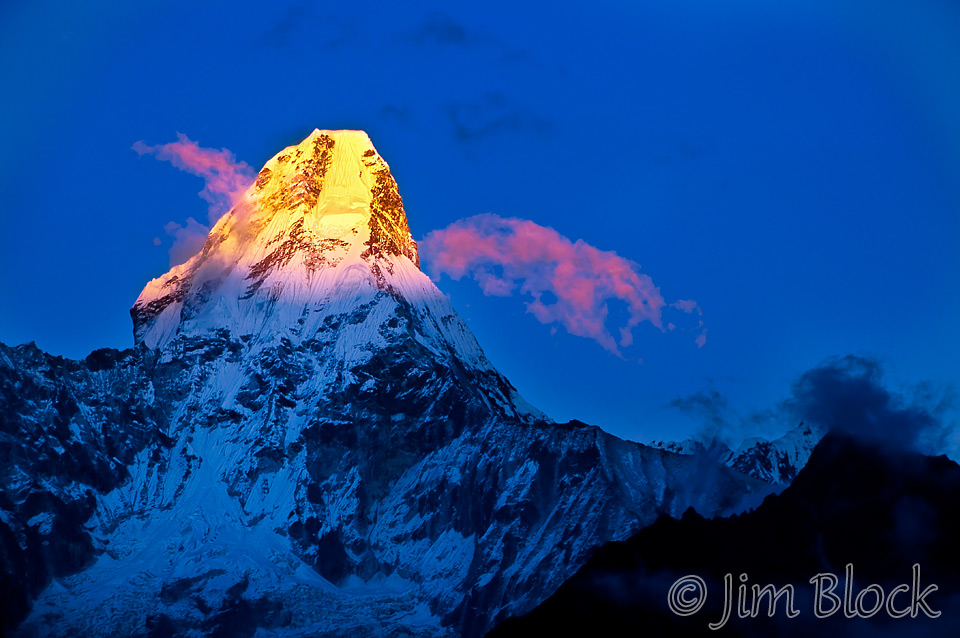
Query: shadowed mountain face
[
  {"x": 880, "y": 510},
  {"x": 306, "y": 439}
]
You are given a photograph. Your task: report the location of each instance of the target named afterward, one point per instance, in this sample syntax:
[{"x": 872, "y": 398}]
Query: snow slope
[{"x": 306, "y": 440}]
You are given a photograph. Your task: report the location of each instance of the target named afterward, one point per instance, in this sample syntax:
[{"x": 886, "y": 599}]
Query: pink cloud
[
  {"x": 686, "y": 305},
  {"x": 507, "y": 255},
  {"x": 225, "y": 179},
  {"x": 690, "y": 306},
  {"x": 188, "y": 239}
]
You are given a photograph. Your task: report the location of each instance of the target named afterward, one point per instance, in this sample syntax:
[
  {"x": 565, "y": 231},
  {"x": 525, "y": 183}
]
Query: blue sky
[{"x": 793, "y": 167}]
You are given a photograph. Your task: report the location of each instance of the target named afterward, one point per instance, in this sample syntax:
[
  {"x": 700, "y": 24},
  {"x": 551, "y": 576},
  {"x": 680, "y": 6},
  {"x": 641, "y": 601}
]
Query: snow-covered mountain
[
  {"x": 306, "y": 440},
  {"x": 779, "y": 460},
  {"x": 774, "y": 461},
  {"x": 858, "y": 501}
]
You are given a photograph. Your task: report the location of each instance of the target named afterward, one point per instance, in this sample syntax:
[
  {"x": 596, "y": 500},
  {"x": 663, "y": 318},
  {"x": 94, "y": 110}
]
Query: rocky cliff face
[
  {"x": 775, "y": 461},
  {"x": 879, "y": 508},
  {"x": 306, "y": 439}
]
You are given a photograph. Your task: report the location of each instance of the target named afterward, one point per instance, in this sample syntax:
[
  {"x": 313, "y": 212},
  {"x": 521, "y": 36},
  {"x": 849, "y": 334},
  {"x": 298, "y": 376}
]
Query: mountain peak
[
  {"x": 322, "y": 215},
  {"x": 336, "y": 179}
]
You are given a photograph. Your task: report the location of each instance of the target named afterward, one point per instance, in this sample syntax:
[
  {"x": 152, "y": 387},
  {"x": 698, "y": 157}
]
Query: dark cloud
[
  {"x": 441, "y": 29},
  {"x": 298, "y": 20},
  {"x": 848, "y": 394},
  {"x": 708, "y": 405},
  {"x": 393, "y": 112},
  {"x": 845, "y": 394},
  {"x": 494, "y": 114}
]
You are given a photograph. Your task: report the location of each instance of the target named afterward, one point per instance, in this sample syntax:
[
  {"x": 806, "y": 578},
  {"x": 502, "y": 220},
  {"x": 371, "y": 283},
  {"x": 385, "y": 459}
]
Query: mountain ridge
[
  {"x": 306, "y": 445},
  {"x": 856, "y": 502}
]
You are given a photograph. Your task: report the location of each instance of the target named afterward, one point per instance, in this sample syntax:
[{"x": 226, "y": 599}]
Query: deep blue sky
[{"x": 794, "y": 167}]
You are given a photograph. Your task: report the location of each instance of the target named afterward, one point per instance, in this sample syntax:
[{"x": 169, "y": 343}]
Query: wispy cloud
[
  {"x": 708, "y": 406},
  {"x": 568, "y": 283},
  {"x": 439, "y": 28},
  {"x": 225, "y": 178},
  {"x": 690, "y": 306},
  {"x": 395, "y": 113},
  {"x": 300, "y": 26},
  {"x": 494, "y": 114},
  {"x": 188, "y": 239},
  {"x": 225, "y": 181}
]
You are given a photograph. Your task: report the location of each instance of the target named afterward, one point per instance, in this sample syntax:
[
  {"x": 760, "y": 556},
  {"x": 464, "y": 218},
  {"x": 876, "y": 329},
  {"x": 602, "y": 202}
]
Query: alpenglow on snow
[{"x": 306, "y": 439}]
